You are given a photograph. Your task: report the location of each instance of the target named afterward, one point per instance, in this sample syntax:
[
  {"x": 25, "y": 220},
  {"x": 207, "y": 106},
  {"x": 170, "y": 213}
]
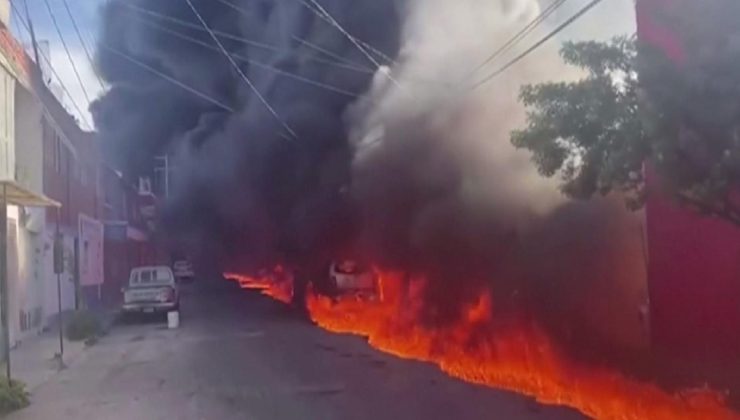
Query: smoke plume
[
  {"x": 246, "y": 190},
  {"x": 404, "y": 164}
]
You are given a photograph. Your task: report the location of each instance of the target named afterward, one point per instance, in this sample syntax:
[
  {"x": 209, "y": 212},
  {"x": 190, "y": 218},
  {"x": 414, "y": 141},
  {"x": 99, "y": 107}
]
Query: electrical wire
[
  {"x": 235, "y": 7},
  {"x": 17, "y": 23},
  {"x": 252, "y": 61},
  {"x": 321, "y": 11},
  {"x": 240, "y": 72},
  {"x": 170, "y": 79},
  {"x": 327, "y": 18},
  {"x": 537, "y": 44},
  {"x": 519, "y": 36},
  {"x": 296, "y": 38},
  {"x": 341, "y": 63},
  {"x": 83, "y": 43},
  {"x": 66, "y": 50},
  {"x": 55, "y": 74}
]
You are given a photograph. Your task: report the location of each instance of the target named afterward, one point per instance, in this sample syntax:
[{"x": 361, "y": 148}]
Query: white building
[{"x": 32, "y": 290}]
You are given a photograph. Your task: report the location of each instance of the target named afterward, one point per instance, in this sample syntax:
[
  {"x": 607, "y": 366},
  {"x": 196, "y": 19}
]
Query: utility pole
[
  {"x": 34, "y": 44},
  {"x": 58, "y": 270},
  {"x": 4, "y": 289}
]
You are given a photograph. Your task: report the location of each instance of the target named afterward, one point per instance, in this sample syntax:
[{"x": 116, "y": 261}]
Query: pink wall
[
  {"x": 694, "y": 261},
  {"x": 694, "y": 273}
]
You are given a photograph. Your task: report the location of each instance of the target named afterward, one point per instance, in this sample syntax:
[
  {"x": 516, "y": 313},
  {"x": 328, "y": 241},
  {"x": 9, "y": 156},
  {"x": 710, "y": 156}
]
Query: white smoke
[
  {"x": 443, "y": 152},
  {"x": 428, "y": 91}
]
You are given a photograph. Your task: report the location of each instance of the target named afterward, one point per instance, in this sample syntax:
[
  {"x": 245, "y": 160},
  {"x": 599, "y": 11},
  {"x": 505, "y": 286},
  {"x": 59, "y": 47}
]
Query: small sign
[{"x": 58, "y": 254}]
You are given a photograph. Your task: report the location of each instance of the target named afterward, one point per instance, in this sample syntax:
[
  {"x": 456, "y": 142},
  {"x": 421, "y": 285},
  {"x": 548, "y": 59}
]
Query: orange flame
[
  {"x": 516, "y": 356},
  {"x": 268, "y": 284}
]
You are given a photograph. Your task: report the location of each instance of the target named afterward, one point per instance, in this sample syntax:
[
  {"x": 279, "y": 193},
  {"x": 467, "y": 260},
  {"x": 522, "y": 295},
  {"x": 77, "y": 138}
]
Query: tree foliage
[
  {"x": 636, "y": 106},
  {"x": 588, "y": 132}
]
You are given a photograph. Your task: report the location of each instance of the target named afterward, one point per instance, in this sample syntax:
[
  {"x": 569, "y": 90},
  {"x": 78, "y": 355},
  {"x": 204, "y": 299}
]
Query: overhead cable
[
  {"x": 341, "y": 62},
  {"x": 54, "y": 73},
  {"x": 252, "y": 61},
  {"x": 165, "y": 76},
  {"x": 67, "y": 51},
  {"x": 240, "y": 72},
  {"x": 519, "y": 36},
  {"x": 83, "y": 43},
  {"x": 536, "y": 45}
]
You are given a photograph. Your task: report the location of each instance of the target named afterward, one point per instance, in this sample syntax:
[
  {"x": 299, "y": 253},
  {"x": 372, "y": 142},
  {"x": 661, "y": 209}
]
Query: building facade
[{"x": 694, "y": 261}]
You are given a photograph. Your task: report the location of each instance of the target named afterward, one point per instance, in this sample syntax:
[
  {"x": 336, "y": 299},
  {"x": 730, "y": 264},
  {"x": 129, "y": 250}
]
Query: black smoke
[
  {"x": 406, "y": 172},
  {"x": 246, "y": 192}
]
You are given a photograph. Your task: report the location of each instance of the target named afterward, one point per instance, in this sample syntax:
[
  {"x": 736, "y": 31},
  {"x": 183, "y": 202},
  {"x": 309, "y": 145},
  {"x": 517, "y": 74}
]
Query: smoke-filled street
[
  {"x": 239, "y": 355},
  {"x": 370, "y": 209}
]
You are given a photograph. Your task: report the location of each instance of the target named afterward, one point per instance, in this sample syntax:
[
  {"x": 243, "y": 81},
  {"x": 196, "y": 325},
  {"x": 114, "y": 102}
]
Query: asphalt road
[{"x": 238, "y": 355}]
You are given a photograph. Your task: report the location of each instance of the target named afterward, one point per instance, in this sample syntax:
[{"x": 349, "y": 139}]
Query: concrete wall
[
  {"x": 7, "y": 124},
  {"x": 5, "y": 12},
  {"x": 29, "y": 141},
  {"x": 26, "y": 278}
]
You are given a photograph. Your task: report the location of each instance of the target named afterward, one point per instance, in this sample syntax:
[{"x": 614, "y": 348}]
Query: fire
[
  {"x": 271, "y": 284},
  {"x": 516, "y": 356}
]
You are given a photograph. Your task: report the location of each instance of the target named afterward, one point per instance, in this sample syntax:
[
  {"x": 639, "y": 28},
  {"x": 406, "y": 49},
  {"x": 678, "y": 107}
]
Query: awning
[{"x": 17, "y": 195}]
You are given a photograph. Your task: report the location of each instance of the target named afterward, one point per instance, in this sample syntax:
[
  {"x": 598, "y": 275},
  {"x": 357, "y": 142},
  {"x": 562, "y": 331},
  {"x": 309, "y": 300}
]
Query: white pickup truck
[
  {"x": 352, "y": 278},
  {"x": 150, "y": 290}
]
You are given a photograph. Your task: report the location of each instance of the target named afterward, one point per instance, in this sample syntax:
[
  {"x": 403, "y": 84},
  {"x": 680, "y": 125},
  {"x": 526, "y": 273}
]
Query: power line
[
  {"x": 254, "y": 62},
  {"x": 296, "y": 38},
  {"x": 82, "y": 42},
  {"x": 240, "y": 72},
  {"x": 235, "y": 7},
  {"x": 17, "y": 22},
  {"x": 166, "y": 77},
  {"x": 321, "y": 11},
  {"x": 55, "y": 74},
  {"x": 225, "y": 35},
  {"x": 328, "y": 19},
  {"x": 66, "y": 49},
  {"x": 536, "y": 45},
  {"x": 342, "y": 62},
  {"x": 519, "y": 36}
]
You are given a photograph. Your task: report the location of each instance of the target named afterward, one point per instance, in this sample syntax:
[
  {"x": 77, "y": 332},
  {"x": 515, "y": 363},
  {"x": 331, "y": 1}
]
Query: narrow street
[{"x": 238, "y": 355}]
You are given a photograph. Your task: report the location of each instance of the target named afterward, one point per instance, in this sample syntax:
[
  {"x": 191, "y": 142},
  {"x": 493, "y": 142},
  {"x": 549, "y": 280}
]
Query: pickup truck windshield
[{"x": 151, "y": 277}]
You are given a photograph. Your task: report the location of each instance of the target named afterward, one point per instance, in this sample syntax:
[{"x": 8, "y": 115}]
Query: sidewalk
[{"x": 35, "y": 360}]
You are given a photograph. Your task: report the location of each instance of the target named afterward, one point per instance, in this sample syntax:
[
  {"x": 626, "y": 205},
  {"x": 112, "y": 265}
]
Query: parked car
[
  {"x": 150, "y": 290},
  {"x": 353, "y": 278},
  {"x": 183, "y": 270}
]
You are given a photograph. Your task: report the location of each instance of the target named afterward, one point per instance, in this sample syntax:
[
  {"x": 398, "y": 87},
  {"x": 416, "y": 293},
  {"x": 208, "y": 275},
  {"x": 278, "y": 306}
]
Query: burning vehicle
[{"x": 352, "y": 278}]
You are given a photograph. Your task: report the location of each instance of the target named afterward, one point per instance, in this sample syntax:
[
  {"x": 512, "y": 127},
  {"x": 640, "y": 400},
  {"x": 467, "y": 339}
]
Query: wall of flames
[{"x": 512, "y": 354}]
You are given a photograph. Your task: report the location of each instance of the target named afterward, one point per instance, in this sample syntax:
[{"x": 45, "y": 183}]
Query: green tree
[{"x": 633, "y": 107}]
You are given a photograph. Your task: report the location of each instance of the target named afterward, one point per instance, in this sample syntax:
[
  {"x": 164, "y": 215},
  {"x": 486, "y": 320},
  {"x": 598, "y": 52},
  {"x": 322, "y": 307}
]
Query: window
[{"x": 153, "y": 276}]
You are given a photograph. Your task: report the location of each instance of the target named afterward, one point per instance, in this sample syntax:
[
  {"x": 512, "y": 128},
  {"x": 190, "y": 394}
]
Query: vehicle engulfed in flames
[{"x": 351, "y": 278}]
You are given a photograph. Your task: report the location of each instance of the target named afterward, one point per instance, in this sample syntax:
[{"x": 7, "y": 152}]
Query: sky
[
  {"x": 86, "y": 14},
  {"x": 611, "y": 17}
]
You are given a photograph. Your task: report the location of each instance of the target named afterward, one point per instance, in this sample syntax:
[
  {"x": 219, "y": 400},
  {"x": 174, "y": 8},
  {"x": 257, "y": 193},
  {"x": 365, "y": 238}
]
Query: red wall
[
  {"x": 694, "y": 273},
  {"x": 694, "y": 261}
]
